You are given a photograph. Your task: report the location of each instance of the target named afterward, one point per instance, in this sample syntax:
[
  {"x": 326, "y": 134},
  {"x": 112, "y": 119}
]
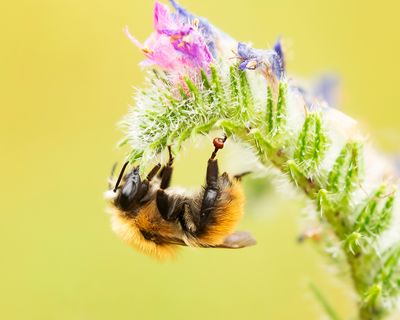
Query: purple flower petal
[
  {"x": 276, "y": 65},
  {"x": 182, "y": 11},
  {"x": 176, "y": 46},
  {"x": 278, "y": 49},
  {"x": 243, "y": 65},
  {"x": 327, "y": 88},
  {"x": 162, "y": 18},
  {"x": 252, "y": 59},
  {"x": 245, "y": 51},
  {"x": 204, "y": 27}
]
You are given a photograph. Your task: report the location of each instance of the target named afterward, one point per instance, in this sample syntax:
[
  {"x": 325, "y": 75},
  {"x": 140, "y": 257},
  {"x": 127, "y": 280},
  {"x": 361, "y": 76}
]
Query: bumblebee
[{"x": 155, "y": 218}]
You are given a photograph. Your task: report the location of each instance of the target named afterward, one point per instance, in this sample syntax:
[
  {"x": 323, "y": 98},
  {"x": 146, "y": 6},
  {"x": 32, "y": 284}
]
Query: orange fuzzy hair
[
  {"x": 226, "y": 215},
  {"x": 128, "y": 230}
]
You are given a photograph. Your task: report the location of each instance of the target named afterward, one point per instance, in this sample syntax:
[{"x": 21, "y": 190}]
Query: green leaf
[
  {"x": 281, "y": 107},
  {"x": 300, "y": 179},
  {"x": 305, "y": 139},
  {"x": 383, "y": 219},
  {"x": 204, "y": 78},
  {"x": 366, "y": 216},
  {"x": 339, "y": 169},
  {"x": 269, "y": 114}
]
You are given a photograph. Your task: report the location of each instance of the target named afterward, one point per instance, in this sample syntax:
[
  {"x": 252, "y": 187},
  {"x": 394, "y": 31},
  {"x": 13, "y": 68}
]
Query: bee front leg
[
  {"x": 145, "y": 196},
  {"x": 153, "y": 172},
  {"x": 168, "y": 207},
  {"x": 166, "y": 172}
]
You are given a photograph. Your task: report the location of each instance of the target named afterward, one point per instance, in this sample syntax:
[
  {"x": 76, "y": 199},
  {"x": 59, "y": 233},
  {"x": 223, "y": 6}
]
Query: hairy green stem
[{"x": 298, "y": 148}]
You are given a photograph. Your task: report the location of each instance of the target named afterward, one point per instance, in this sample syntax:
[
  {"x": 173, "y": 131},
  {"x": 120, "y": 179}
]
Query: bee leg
[
  {"x": 161, "y": 172},
  {"x": 168, "y": 207},
  {"x": 166, "y": 171},
  {"x": 218, "y": 144},
  {"x": 164, "y": 203},
  {"x": 143, "y": 194},
  {"x": 188, "y": 219},
  {"x": 212, "y": 190},
  {"x": 153, "y": 172}
]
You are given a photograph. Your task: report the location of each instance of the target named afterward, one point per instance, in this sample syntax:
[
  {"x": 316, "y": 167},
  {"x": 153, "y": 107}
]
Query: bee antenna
[
  {"x": 120, "y": 176},
  {"x": 113, "y": 169},
  {"x": 111, "y": 174}
]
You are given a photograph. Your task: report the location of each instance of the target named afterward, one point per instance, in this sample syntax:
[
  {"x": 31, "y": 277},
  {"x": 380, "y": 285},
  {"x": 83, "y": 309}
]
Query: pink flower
[{"x": 175, "y": 46}]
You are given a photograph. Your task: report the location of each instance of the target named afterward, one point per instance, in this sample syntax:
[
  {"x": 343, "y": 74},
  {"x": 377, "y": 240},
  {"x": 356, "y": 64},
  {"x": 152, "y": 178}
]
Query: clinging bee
[{"x": 155, "y": 218}]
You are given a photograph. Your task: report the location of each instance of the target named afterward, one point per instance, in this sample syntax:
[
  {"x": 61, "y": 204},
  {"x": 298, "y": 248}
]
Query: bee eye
[
  {"x": 130, "y": 188},
  {"x": 132, "y": 183}
]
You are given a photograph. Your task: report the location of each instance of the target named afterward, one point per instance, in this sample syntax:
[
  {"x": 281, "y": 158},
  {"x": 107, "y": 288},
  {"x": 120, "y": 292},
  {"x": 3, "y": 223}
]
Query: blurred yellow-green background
[{"x": 66, "y": 77}]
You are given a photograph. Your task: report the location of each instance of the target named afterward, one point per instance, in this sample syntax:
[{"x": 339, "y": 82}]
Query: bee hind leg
[{"x": 211, "y": 191}]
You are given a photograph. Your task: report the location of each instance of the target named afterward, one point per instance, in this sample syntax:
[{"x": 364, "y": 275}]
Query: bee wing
[
  {"x": 170, "y": 240},
  {"x": 237, "y": 240}
]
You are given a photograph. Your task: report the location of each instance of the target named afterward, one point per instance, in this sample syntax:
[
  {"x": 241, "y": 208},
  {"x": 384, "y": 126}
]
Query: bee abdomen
[{"x": 222, "y": 218}]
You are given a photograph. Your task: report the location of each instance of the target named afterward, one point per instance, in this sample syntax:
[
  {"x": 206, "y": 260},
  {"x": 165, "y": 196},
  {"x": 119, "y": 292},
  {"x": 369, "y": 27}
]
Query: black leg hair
[{"x": 153, "y": 172}]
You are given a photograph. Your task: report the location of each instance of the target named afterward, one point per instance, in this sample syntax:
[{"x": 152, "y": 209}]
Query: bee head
[{"x": 128, "y": 189}]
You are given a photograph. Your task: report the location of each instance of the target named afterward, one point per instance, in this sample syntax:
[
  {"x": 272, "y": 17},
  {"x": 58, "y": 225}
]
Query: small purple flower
[
  {"x": 324, "y": 90},
  {"x": 279, "y": 50},
  {"x": 266, "y": 60},
  {"x": 176, "y": 46},
  {"x": 251, "y": 58},
  {"x": 204, "y": 27},
  {"x": 327, "y": 88}
]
